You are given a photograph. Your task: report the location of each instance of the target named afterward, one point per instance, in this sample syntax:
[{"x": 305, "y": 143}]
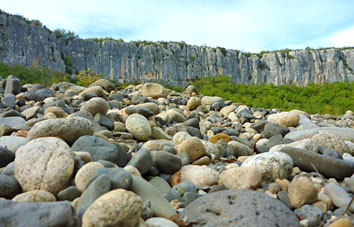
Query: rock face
[
  {"x": 172, "y": 63},
  {"x": 44, "y": 163},
  {"x": 239, "y": 208}
]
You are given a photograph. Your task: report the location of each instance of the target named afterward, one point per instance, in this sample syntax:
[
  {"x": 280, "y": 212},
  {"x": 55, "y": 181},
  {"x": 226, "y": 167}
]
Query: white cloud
[{"x": 342, "y": 38}]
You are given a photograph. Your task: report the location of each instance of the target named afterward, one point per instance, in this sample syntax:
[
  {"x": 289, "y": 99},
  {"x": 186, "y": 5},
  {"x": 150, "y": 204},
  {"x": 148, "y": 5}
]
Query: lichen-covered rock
[
  {"x": 45, "y": 164},
  {"x": 68, "y": 129},
  {"x": 115, "y": 208}
]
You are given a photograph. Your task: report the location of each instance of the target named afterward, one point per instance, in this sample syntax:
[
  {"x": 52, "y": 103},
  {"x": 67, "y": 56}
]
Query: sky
[{"x": 246, "y": 25}]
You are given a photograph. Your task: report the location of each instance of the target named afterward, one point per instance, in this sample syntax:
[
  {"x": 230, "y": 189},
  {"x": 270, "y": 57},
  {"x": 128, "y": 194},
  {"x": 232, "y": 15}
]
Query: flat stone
[
  {"x": 37, "y": 214},
  {"x": 98, "y": 187},
  {"x": 9, "y": 187},
  {"x": 159, "y": 133},
  {"x": 45, "y": 163},
  {"x": 31, "y": 112},
  {"x": 39, "y": 95},
  {"x": 160, "y": 184},
  {"x": 13, "y": 122},
  {"x": 101, "y": 149},
  {"x": 208, "y": 100},
  {"x": 344, "y": 133},
  {"x": 159, "y": 222},
  {"x": 331, "y": 167},
  {"x": 69, "y": 193},
  {"x": 6, "y": 156},
  {"x": 166, "y": 162},
  {"x": 9, "y": 100},
  {"x": 68, "y": 129},
  {"x": 339, "y": 196},
  {"x": 142, "y": 160},
  {"x": 238, "y": 208},
  {"x": 147, "y": 191},
  {"x": 310, "y": 213}
]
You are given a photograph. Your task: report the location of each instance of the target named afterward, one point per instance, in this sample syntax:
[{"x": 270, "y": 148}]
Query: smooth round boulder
[
  {"x": 115, "y": 208},
  {"x": 104, "y": 83},
  {"x": 272, "y": 165},
  {"x": 153, "y": 90},
  {"x": 96, "y": 105},
  {"x": 138, "y": 126},
  {"x": 45, "y": 164},
  {"x": 35, "y": 196},
  {"x": 193, "y": 103},
  {"x": 287, "y": 119},
  {"x": 68, "y": 129},
  {"x": 208, "y": 100},
  {"x": 238, "y": 207}
]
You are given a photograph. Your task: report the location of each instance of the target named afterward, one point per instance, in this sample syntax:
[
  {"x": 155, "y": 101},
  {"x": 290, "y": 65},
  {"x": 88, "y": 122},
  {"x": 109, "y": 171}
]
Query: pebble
[
  {"x": 199, "y": 175},
  {"x": 338, "y": 196},
  {"x": 84, "y": 174},
  {"x": 312, "y": 214},
  {"x": 193, "y": 147},
  {"x": 301, "y": 191},
  {"x": 139, "y": 127},
  {"x": 242, "y": 178},
  {"x": 271, "y": 165},
  {"x": 35, "y": 196},
  {"x": 115, "y": 208}
]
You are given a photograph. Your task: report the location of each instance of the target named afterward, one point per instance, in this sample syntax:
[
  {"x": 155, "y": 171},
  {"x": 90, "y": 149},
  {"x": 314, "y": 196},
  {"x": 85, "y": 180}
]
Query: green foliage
[
  {"x": 67, "y": 62},
  {"x": 223, "y": 50},
  {"x": 34, "y": 74},
  {"x": 67, "y": 35},
  {"x": 334, "y": 98},
  {"x": 87, "y": 77}
]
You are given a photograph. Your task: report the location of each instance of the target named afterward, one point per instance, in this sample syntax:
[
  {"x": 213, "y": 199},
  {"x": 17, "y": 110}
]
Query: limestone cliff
[{"x": 23, "y": 42}]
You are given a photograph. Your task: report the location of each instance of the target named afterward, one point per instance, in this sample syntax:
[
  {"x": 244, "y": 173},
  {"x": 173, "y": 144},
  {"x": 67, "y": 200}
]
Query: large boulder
[
  {"x": 153, "y": 90},
  {"x": 44, "y": 163},
  {"x": 69, "y": 129},
  {"x": 239, "y": 208}
]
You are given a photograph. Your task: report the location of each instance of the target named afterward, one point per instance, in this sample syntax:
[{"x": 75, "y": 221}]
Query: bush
[
  {"x": 85, "y": 78},
  {"x": 333, "y": 98},
  {"x": 34, "y": 74}
]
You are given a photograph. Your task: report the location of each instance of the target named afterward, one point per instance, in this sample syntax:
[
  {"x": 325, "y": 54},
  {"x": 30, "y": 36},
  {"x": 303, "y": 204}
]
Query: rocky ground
[{"x": 149, "y": 156}]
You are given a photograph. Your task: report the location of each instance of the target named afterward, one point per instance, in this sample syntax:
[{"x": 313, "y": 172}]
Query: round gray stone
[{"x": 239, "y": 208}]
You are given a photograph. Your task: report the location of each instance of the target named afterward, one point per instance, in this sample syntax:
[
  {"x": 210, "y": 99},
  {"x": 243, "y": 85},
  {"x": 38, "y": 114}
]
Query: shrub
[{"x": 87, "y": 77}]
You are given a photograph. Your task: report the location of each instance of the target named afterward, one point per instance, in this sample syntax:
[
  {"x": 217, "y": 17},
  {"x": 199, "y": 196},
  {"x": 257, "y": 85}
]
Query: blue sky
[{"x": 247, "y": 25}]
